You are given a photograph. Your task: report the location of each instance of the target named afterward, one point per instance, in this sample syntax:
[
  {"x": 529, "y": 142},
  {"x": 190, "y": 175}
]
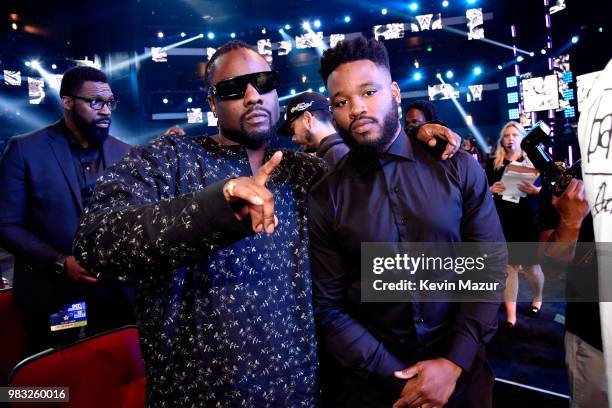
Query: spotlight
[
  {"x": 471, "y": 1},
  {"x": 292, "y": 91},
  {"x": 28, "y": 63},
  {"x": 309, "y": 90},
  {"x": 383, "y": 12},
  {"x": 438, "y": 75},
  {"x": 14, "y": 26},
  {"x": 519, "y": 58},
  {"x": 500, "y": 67},
  {"x": 165, "y": 101},
  {"x": 304, "y": 79},
  {"x": 183, "y": 34},
  {"x": 35, "y": 64},
  {"x": 413, "y": 6},
  {"x": 445, "y": 3},
  {"x": 543, "y": 51},
  {"x": 600, "y": 29},
  {"x": 416, "y": 64},
  {"x": 429, "y": 48},
  {"x": 469, "y": 120},
  {"x": 347, "y": 19},
  {"x": 280, "y": 30},
  {"x": 53, "y": 66},
  {"x": 160, "y": 34},
  {"x": 477, "y": 70},
  {"x": 189, "y": 100},
  {"x": 317, "y": 24},
  {"x": 417, "y": 76},
  {"x": 233, "y": 35},
  {"x": 532, "y": 54},
  {"x": 449, "y": 74},
  {"x": 306, "y": 25},
  {"x": 321, "y": 89},
  {"x": 575, "y": 39},
  {"x": 263, "y": 30},
  {"x": 211, "y": 35}
]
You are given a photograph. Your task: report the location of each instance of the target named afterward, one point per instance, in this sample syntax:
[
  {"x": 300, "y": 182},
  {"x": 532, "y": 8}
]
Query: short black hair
[
  {"x": 355, "y": 49},
  {"x": 324, "y": 116},
  {"x": 224, "y": 49},
  {"x": 73, "y": 79},
  {"x": 428, "y": 109}
]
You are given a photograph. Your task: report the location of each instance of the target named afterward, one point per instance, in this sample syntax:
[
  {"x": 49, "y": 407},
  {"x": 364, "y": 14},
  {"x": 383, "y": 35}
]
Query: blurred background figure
[
  {"x": 518, "y": 219},
  {"x": 175, "y": 131},
  {"x": 470, "y": 146},
  {"x": 419, "y": 112}
]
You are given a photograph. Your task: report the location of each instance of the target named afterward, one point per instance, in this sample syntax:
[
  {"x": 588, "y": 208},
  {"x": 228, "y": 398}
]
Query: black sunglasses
[
  {"x": 235, "y": 88},
  {"x": 98, "y": 104}
]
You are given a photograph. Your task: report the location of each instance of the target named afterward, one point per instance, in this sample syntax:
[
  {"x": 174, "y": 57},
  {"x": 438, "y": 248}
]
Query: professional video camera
[{"x": 556, "y": 176}]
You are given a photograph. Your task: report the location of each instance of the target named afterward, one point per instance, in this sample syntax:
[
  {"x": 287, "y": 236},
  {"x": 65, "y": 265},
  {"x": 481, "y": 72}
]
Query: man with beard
[
  {"x": 390, "y": 188},
  {"x": 419, "y": 112},
  {"x": 308, "y": 120},
  {"x": 47, "y": 178}
]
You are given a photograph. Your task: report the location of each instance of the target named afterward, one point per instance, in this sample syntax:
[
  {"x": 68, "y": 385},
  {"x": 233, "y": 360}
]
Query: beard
[
  {"x": 92, "y": 133},
  {"x": 389, "y": 129},
  {"x": 253, "y": 139}
]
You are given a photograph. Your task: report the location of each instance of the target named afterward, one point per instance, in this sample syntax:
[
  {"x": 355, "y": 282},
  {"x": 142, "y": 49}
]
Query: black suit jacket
[{"x": 40, "y": 207}]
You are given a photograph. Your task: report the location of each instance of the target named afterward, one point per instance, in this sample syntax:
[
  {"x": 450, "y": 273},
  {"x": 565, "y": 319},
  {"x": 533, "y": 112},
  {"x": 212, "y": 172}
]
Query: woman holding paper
[{"x": 516, "y": 204}]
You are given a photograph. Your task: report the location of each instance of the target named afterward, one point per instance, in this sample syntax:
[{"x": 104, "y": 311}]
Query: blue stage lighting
[
  {"x": 287, "y": 26},
  {"x": 165, "y": 101},
  {"x": 292, "y": 91},
  {"x": 317, "y": 24},
  {"x": 575, "y": 39},
  {"x": 383, "y": 12},
  {"x": 570, "y": 112},
  {"x": 511, "y": 81},
  {"x": 321, "y": 89},
  {"x": 513, "y": 97},
  {"x": 413, "y": 6},
  {"x": 189, "y": 100},
  {"x": 449, "y": 74},
  {"x": 500, "y": 67},
  {"x": 471, "y": 1},
  {"x": 347, "y": 19},
  {"x": 519, "y": 58},
  {"x": 417, "y": 76},
  {"x": 280, "y": 30},
  {"x": 183, "y": 34},
  {"x": 477, "y": 70},
  {"x": 160, "y": 34},
  {"x": 445, "y": 3},
  {"x": 233, "y": 35},
  {"x": 211, "y": 35},
  {"x": 513, "y": 114}
]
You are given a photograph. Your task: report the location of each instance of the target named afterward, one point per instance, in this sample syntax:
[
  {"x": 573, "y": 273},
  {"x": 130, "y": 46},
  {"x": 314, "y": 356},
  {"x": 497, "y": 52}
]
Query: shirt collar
[{"x": 401, "y": 147}]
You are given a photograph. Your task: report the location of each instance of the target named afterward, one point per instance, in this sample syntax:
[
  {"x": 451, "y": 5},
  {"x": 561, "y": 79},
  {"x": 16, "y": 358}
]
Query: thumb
[
  {"x": 265, "y": 171},
  {"x": 407, "y": 373}
]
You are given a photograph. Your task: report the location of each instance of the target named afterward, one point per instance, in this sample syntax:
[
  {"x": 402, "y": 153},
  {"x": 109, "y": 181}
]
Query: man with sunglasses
[{"x": 47, "y": 178}]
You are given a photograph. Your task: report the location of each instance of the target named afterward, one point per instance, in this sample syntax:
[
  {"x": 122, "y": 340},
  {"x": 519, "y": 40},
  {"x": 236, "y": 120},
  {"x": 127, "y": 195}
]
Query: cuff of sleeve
[
  {"x": 463, "y": 351},
  {"x": 386, "y": 370},
  {"x": 218, "y": 215}
]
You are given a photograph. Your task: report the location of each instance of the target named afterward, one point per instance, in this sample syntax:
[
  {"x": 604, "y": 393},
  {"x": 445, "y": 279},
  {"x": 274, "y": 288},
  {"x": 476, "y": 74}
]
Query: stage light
[
  {"x": 477, "y": 70},
  {"x": 417, "y": 76},
  {"x": 543, "y": 51},
  {"x": 292, "y": 91},
  {"x": 471, "y": 1},
  {"x": 413, "y": 6},
  {"x": 160, "y": 34},
  {"x": 287, "y": 26},
  {"x": 280, "y": 30},
  {"x": 575, "y": 39},
  {"x": 317, "y": 24},
  {"x": 14, "y": 26},
  {"x": 189, "y": 100},
  {"x": 233, "y": 35},
  {"x": 383, "y": 12},
  {"x": 449, "y": 74},
  {"x": 438, "y": 75},
  {"x": 35, "y": 64},
  {"x": 304, "y": 79},
  {"x": 53, "y": 66},
  {"x": 309, "y": 89},
  {"x": 263, "y": 30},
  {"x": 306, "y": 25},
  {"x": 519, "y": 58},
  {"x": 211, "y": 35},
  {"x": 429, "y": 48},
  {"x": 445, "y": 3},
  {"x": 347, "y": 19},
  {"x": 600, "y": 29},
  {"x": 469, "y": 120},
  {"x": 321, "y": 89},
  {"x": 500, "y": 67},
  {"x": 183, "y": 34},
  {"x": 165, "y": 101},
  {"x": 416, "y": 64},
  {"x": 532, "y": 54},
  {"x": 27, "y": 63}
]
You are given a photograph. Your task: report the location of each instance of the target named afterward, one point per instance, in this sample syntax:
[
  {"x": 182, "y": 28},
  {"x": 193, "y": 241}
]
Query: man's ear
[
  {"x": 67, "y": 103},
  {"x": 395, "y": 90},
  {"x": 213, "y": 105},
  {"x": 307, "y": 117}
]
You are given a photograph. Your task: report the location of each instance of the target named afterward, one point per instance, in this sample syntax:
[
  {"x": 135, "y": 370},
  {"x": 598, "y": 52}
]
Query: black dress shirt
[{"x": 408, "y": 195}]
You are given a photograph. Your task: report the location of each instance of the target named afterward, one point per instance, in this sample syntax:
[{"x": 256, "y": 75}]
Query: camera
[{"x": 556, "y": 176}]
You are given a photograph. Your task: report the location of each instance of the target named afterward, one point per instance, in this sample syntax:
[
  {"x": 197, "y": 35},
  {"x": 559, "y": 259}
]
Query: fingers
[
  {"x": 243, "y": 191},
  {"x": 409, "y": 401},
  {"x": 407, "y": 373},
  {"x": 86, "y": 278},
  {"x": 263, "y": 174},
  {"x": 453, "y": 143}
]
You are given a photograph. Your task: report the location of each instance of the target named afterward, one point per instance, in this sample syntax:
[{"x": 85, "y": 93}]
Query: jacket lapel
[{"x": 61, "y": 150}]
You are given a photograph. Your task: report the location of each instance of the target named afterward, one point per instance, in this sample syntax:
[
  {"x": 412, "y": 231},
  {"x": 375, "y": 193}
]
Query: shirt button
[
  {"x": 87, "y": 168},
  {"x": 404, "y": 220},
  {"x": 396, "y": 190},
  {"x": 421, "y": 320}
]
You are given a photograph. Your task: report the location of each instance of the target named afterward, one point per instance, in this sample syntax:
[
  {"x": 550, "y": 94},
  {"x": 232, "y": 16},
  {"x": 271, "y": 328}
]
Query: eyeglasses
[
  {"x": 235, "y": 88},
  {"x": 98, "y": 104}
]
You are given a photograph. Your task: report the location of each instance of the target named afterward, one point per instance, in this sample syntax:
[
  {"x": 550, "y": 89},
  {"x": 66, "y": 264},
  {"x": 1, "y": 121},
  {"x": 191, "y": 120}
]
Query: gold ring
[{"x": 229, "y": 187}]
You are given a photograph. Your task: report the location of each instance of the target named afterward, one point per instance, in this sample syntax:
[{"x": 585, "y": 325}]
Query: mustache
[
  {"x": 103, "y": 120},
  {"x": 255, "y": 111},
  {"x": 362, "y": 117}
]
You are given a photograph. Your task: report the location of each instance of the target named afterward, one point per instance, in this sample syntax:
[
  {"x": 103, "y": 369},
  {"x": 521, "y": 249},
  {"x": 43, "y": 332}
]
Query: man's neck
[
  {"x": 256, "y": 156},
  {"x": 76, "y": 133}
]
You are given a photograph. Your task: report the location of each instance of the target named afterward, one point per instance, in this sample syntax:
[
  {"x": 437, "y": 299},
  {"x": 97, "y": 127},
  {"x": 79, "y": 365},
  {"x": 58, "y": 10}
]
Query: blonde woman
[{"x": 519, "y": 221}]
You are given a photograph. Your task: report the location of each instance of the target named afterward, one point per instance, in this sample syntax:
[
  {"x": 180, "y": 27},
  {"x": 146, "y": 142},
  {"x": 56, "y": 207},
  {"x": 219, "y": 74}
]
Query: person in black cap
[{"x": 308, "y": 120}]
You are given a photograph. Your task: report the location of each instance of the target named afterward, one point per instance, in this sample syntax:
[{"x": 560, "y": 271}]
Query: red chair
[
  {"x": 101, "y": 371},
  {"x": 12, "y": 334}
]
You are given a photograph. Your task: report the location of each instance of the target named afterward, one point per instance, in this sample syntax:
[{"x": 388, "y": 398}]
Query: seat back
[
  {"x": 102, "y": 371},
  {"x": 12, "y": 334}
]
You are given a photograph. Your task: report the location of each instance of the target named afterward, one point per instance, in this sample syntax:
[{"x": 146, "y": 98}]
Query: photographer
[{"x": 566, "y": 220}]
